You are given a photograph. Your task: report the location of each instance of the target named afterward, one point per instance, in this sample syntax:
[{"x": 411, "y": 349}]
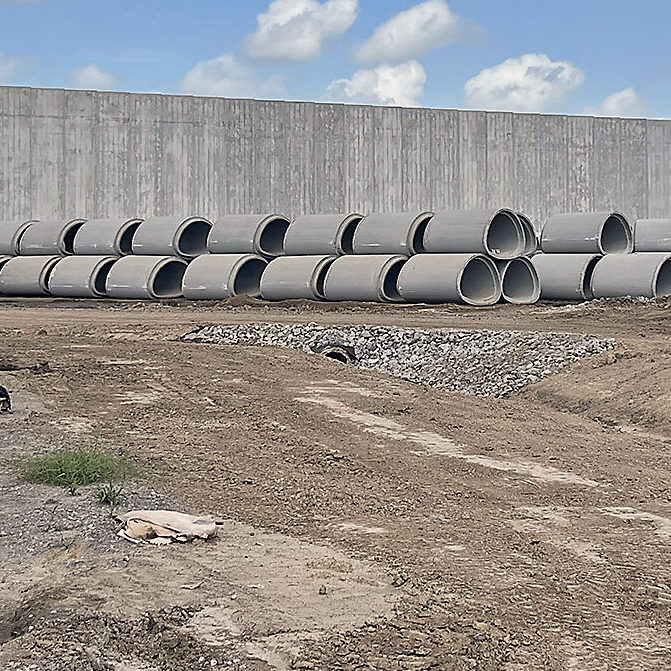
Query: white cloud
[
  {"x": 92, "y": 77},
  {"x": 530, "y": 83},
  {"x": 226, "y": 76},
  {"x": 9, "y": 68},
  {"x": 386, "y": 84},
  {"x": 429, "y": 25},
  {"x": 625, "y": 103},
  {"x": 297, "y": 30}
]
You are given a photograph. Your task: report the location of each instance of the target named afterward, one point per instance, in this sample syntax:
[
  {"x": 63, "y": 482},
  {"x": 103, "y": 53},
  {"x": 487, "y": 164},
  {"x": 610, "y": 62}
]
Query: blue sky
[{"x": 574, "y": 56}]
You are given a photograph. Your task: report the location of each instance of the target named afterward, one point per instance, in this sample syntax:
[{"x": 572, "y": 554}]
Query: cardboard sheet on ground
[{"x": 162, "y": 527}]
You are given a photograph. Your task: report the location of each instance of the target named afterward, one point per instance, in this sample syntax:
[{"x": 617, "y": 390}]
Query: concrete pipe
[
  {"x": 530, "y": 236},
  {"x": 144, "y": 277},
  {"x": 81, "y": 276},
  {"x": 450, "y": 278},
  {"x": 497, "y": 233},
  {"x": 3, "y": 260},
  {"x": 220, "y": 276},
  {"x": 296, "y": 277},
  {"x": 11, "y": 233},
  {"x": 565, "y": 277},
  {"x": 646, "y": 274},
  {"x": 27, "y": 275},
  {"x": 652, "y": 235},
  {"x": 106, "y": 237},
  {"x": 331, "y": 234},
  {"x": 249, "y": 234},
  {"x": 364, "y": 278},
  {"x": 395, "y": 233},
  {"x": 172, "y": 236},
  {"x": 519, "y": 281},
  {"x": 50, "y": 237},
  {"x": 587, "y": 233}
]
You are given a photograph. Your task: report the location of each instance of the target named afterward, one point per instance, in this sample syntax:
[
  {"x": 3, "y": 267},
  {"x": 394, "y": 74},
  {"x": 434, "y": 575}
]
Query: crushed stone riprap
[{"x": 482, "y": 362}]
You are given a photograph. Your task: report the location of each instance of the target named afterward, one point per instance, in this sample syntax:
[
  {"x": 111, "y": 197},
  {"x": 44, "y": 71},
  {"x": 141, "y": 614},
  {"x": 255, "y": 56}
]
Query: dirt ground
[{"x": 368, "y": 523}]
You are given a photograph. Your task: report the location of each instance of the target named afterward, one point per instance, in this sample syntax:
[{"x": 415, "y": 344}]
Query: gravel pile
[{"x": 483, "y": 363}]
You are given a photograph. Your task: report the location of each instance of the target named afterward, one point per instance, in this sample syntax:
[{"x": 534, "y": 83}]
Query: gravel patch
[{"x": 482, "y": 362}]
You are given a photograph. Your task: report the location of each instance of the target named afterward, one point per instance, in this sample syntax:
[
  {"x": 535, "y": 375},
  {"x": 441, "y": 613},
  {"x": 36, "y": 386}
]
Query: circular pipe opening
[
  {"x": 271, "y": 236},
  {"x": 504, "y": 238},
  {"x": 529, "y": 233},
  {"x": 166, "y": 281},
  {"x": 345, "y": 242},
  {"x": 126, "y": 238},
  {"x": 100, "y": 274},
  {"x": 417, "y": 231},
  {"x": 661, "y": 285},
  {"x": 615, "y": 236},
  {"x": 247, "y": 280},
  {"x": 520, "y": 282},
  {"x": 479, "y": 282},
  {"x": 389, "y": 284},
  {"x": 192, "y": 237},
  {"x": 46, "y": 273},
  {"x": 320, "y": 279},
  {"x": 68, "y": 240},
  {"x": 586, "y": 280}
]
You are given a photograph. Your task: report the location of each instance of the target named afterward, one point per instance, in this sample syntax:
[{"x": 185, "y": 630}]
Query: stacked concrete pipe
[
  {"x": 322, "y": 234},
  {"x": 364, "y": 278},
  {"x": 394, "y": 233},
  {"x": 565, "y": 277},
  {"x": 27, "y": 275},
  {"x": 646, "y": 274},
  {"x": 221, "y": 276},
  {"x": 146, "y": 277},
  {"x": 11, "y": 233},
  {"x": 106, "y": 237},
  {"x": 296, "y": 277},
  {"x": 259, "y": 234},
  {"x": 520, "y": 283},
  {"x": 587, "y": 233},
  {"x": 81, "y": 276},
  {"x": 46, "y": 238},
  {"x": 471, "y": 279},
  {"x": 172, "y": 236},
  {"x": 531, "y": 241},
  {"x": 652, "y": 235}
]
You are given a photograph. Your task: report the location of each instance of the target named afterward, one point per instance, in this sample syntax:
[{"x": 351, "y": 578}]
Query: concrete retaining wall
[{"x": 82, "y": 153}]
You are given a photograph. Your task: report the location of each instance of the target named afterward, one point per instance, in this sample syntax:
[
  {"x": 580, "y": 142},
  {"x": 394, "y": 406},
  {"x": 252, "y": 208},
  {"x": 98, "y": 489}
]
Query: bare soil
[{"x": 369, "y": 523}]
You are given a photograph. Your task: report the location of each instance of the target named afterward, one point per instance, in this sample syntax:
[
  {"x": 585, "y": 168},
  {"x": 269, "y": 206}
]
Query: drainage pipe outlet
[
  {"x": 11, "y": 233},
  {"x": 531, "y": 241},
  {"x": 646, "y": 274},
  {"x": 331, "y": 234},
  {"x": 652, "y": 235},
  {"x": 81, "y": 276},
  {"x": 296, "y": 277},
  {"x": 106, "y": 237},
  {"x": 519, "y": 281},
  {"x": 261, "y": 234},
  {"x": 587, "y": 233},
  {"x": 450, "y": 278},
  {"x": 565, "y": 277},
  {"x": 364, "y": 278},
  {"x": 50, "y": 237},
  {"x": 27, "y": 275},
  {"x": 497, "y": 233},
  {"x": 142, "y": 277},
  {"x": 220, "y": 276},
  {"x": 395, "y": 233},
  {"x": 172, "y": 236}
]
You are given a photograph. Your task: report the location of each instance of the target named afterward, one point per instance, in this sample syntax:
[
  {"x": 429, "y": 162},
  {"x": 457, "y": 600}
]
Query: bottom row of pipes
[{"x": 472, "y": 279}]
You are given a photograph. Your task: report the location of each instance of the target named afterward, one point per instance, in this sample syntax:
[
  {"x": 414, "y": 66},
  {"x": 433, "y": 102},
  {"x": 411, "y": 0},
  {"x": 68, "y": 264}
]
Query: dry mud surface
[{"x": 368, "y": 522}]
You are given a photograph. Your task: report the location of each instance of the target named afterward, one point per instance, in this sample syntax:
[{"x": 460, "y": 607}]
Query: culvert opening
[
  {"x": 479, "y": 283},
  {"x": 248, "y": 278},
  {"x": 271, "y": 240},
  {"x": 340, "y": 353},
  {"x": 346, "y": 243},
  {"x": 520, "y": 282},
  {"x": 100, "y": 277},
  {"x": 615, "y": 236},
  {"x": 167, "y": 282},
  {"x": 587, "y": 292},
  {"x": 69, "y": 237},
  {"x": 504, "y": 237},
  {"x": 192, "y": 239},
  {"x": 417, "y": 242},
  {"x": 390, "y": 281},
  {"x": 320, "y": 280},
  {"x": 126, "y": 239},
  {"x": 662, "y": 284}
]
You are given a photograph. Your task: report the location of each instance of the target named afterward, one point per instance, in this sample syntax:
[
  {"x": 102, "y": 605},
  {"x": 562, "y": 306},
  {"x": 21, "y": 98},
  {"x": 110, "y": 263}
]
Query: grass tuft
[
  {"x": 74, "y": 468},
  {"x": 109, "y": 493}
]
